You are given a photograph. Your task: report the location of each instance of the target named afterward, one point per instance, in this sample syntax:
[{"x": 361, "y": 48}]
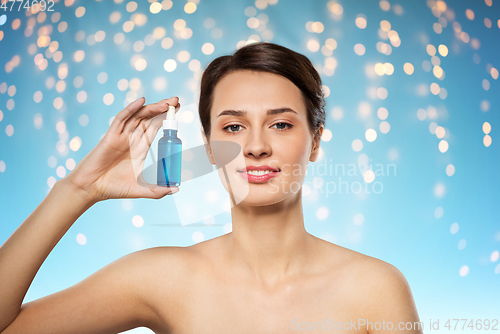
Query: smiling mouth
[
  {"x": 258, "y": 176},
  {"x": 259, "y": 170}
]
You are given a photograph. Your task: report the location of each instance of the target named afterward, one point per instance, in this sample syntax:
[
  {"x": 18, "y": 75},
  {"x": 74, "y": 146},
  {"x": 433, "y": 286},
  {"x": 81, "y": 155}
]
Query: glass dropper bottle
[{"x": 169, "y": 152}]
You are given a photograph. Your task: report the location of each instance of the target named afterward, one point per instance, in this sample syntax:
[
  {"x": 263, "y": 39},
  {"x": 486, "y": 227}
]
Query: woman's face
[{"x": 281, "y": 139}]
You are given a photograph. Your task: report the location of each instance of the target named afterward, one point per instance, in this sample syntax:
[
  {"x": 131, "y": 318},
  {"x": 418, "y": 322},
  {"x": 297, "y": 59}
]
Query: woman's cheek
[{"x": 296, "y": 151}]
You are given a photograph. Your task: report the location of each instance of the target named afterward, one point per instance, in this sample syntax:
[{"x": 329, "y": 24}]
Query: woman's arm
[
  {"x": 24, "y": 251},
  {"x": 109, "y": 301},
  {"x": 114, "y": 299},
  {"x": 103, "y": 301}
]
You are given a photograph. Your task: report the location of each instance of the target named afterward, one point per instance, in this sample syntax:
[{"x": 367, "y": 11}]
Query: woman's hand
[{"x": 113, "y": 169}]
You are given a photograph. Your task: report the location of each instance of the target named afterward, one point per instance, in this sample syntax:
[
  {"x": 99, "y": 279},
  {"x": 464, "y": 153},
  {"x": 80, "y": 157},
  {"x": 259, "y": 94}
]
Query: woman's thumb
[{"x": 160, "y": 191}]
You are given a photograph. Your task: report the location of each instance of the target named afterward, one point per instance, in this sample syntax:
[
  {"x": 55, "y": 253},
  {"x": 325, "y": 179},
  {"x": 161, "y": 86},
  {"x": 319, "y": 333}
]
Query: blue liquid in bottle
[{"x": 169, "y": 153}]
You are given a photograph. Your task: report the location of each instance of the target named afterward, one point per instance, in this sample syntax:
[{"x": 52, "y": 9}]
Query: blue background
[{"x": 407, "y": 224}]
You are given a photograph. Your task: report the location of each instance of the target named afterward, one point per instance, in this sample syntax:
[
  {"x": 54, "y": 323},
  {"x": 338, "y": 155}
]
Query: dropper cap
[{"x": 170, "y": 122}]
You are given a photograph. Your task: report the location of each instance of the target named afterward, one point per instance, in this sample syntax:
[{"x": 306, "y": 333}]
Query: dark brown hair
[{"x": 272, "y": 58}]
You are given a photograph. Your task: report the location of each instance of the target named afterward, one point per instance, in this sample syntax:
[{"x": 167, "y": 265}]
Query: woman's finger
[
  {"x": 153, "y": 127},
  {"x": 153, "y": 110},
  {"x": 141, "y": 138},
  {"x": 148, "y": 112},
  {"x": 147, "y": 190},
  {"x": 120, "y": 119},
  {"x": 145, "y": 133},
  {"x": 150, "y": 129},
  {"x": 134, "y": 121},
  {"x": 157, "y": 121}
]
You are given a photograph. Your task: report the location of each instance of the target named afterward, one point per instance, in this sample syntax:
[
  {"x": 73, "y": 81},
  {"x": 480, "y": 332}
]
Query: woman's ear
[
  {"x": 316, "y": 141},
  {"x": 207, "y": 147}
]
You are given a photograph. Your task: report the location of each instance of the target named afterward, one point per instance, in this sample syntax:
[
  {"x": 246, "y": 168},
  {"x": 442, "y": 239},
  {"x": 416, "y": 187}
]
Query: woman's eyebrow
[{"x": 244, "y": 113}]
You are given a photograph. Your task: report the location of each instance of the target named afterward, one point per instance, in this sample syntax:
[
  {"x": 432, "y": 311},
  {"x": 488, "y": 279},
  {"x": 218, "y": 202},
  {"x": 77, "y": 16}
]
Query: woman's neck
[{"x": 269, "y": 243}]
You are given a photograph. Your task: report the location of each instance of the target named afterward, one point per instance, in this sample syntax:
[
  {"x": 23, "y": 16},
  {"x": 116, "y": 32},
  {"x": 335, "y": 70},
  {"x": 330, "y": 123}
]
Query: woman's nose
[{"x": 257, "y": 144}]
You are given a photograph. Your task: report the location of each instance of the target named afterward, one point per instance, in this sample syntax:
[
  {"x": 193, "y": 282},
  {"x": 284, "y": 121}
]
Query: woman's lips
[{"x": 258, "y": 178}]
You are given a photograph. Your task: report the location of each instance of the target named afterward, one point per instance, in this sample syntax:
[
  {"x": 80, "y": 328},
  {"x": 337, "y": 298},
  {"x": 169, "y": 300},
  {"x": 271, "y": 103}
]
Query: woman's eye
[
  {"x": 232, "y": 126},
  {"x": 281, "y": 128}
]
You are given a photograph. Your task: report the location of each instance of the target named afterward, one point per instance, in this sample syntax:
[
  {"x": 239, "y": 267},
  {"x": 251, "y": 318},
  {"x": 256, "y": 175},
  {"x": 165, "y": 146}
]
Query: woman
[{"x": 266, "y": 276}]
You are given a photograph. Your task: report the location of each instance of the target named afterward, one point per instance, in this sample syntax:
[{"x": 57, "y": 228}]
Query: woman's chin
[
  {"x": 261, "y": 198},
  {"x": 257, "y": 194}
]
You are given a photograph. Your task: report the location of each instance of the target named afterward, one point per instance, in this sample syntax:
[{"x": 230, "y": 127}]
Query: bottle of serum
[{"x": 169, "y": 153}]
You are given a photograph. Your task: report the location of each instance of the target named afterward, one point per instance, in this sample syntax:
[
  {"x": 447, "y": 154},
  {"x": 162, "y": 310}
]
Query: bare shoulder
[
  {"x": 364, "y": 269},
  {"x": 165, "y": 276},
  {"x": 127, "y": 293},
  {"x": 381, "y": 288},
  {"x": 166, "y": 264},
  {"x": 180, "y": 263},
  {"x": 388, "y": 296},
  {"x": 171, "y": 255},
  {"x": 154, "y": 269},
  {"x": 373, "y": 272}
]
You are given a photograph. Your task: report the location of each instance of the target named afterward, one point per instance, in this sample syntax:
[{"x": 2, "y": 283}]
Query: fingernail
[{"x": 173, "y": 191}]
